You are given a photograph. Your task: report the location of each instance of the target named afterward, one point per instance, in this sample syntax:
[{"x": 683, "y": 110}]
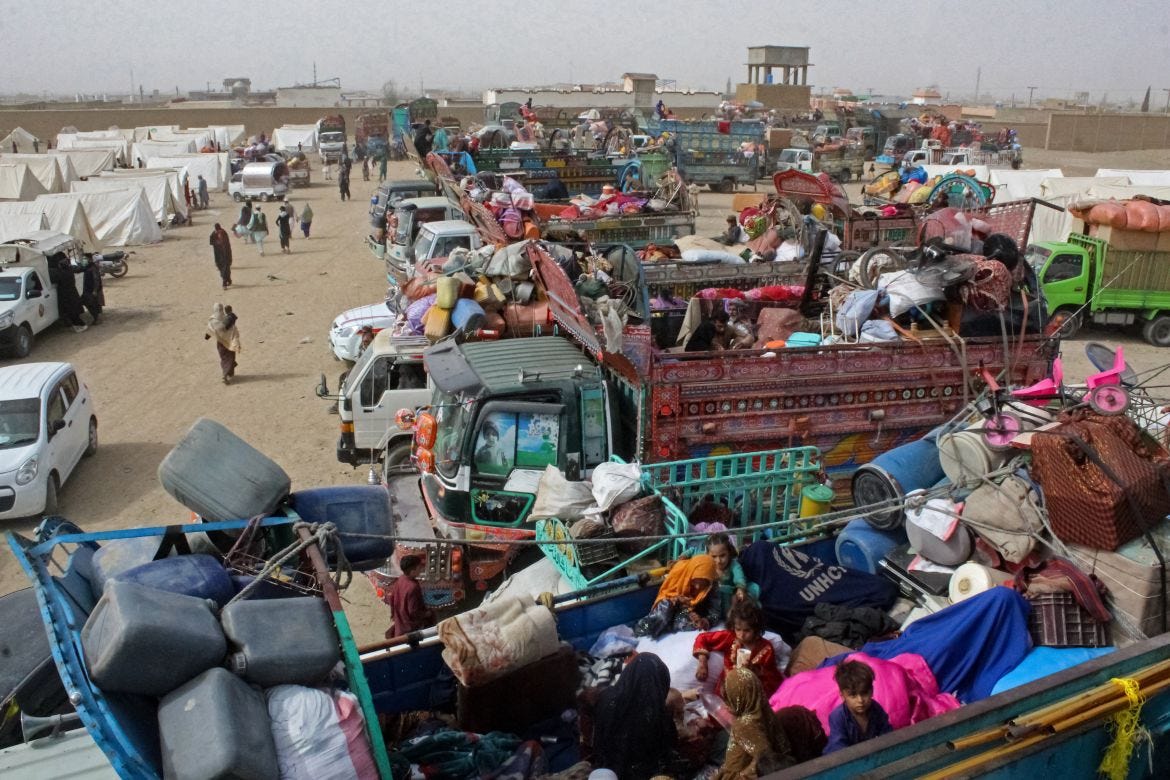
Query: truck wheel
[
  {"x": 264, "y": 197},
  {"x": 237, "y": 197},
  {"x": 397, "y": 456},
  {"x": 23, "y": 343},
  {"x": 1157, "y": 331},
  {"x": 1073, "y": 320}
]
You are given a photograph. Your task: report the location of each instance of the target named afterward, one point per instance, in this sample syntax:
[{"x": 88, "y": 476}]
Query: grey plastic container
[
  {"x": 282, "y": 641},
  {"x": 219, "y": 476},
  {"x": 142, "y": 640},
  {"x": 216, "y": 726}
]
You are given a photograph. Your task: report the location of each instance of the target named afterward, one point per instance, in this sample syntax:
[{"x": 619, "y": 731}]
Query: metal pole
[
  {"x": 1167, "y": 91},
  {"x": 1030, "y": 91}
]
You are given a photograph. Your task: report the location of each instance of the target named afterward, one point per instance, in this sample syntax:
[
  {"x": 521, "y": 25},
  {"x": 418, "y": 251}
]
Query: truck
[
  {"x": 28, "y": 297},
  {"x": 841, "y": 164},
  {"x": 1086, "y": 279},
  {"x": 719, "y": 160},
  {"x": 407, "y": 220},
  {"x": 331, "y": 137},
  {"x": 372, "y": 131},
  {"x": 932, "y": 152}
]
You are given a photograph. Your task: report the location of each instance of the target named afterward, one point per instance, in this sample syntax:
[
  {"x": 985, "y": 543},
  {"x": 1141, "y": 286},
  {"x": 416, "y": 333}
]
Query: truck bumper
[{"x": 348, "y": 453}]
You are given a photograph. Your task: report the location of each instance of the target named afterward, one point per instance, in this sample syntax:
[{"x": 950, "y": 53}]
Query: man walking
[
  {"x": 284, "y": 229},
  {"x": 201, "y": 188},
  {"x": 221, "y": 246},
  {"x": 343, "y": 182}
]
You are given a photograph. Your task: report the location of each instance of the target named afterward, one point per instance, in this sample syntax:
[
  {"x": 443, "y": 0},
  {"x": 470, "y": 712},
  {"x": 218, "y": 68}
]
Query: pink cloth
[
  {"x": 349, "y": 718},
  {"x": 904, "y": 686}
]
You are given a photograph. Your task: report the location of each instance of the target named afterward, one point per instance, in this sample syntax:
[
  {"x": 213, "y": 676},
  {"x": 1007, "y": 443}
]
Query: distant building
[
  {"x": 924, "y": 95},
  {"x": 635, "y": 91},
  {"x": 308, "y": 97},
  {"x": 360, "y": 100},
  {"x": 777, "y": 77}
]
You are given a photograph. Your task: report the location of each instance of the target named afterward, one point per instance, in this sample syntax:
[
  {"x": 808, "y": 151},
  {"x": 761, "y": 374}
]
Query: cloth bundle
[{"x": 484, "y": 643}]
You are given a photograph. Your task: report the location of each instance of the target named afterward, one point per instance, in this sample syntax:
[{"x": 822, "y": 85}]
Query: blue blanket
[
  {"x": 969, "y": 646},
  {"x": 1043, "y": 661}
]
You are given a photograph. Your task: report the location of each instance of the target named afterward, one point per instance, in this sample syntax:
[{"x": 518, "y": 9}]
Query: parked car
[
  {"x": 47, "y": 424},
  {"x": 345, "y": 338}
]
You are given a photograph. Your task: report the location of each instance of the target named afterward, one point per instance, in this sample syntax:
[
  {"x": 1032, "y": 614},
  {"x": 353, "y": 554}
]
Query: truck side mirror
[
  {"x": 34, "y": 293},
  {"x": 322, "y": 388},
  {"x": 57, "y": 425}
]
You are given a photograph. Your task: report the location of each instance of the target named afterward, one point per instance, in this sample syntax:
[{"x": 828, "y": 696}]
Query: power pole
[
  {"x": 1030, "y": 91},
  {"x": 978, "y": 78},
  {"x": 1167, "y": 91},
  {"x": 314, "y": 73}
]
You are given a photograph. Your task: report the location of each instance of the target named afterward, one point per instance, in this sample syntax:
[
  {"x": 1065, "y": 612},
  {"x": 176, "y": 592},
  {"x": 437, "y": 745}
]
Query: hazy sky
[{"x": 69, "y": 46}]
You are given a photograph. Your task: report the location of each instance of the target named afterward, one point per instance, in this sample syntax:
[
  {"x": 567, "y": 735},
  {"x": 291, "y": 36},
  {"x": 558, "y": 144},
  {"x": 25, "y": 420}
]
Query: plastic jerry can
[
  {"x": 219, "y": 476},
  {"x": 353, "y": 509},
  {"x": 216, "y": 726},
  {"x": 281, "y": 641},
  {"x": 120, "y": 555},
  {"x": 201, "y": 576},
  {"x": 142, "y": 640}
]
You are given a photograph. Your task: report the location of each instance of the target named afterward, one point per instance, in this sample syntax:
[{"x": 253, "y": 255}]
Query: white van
[
  {"x": 28, "y": 300},
  {"x": 47, "y": 423},
  {"x": 263, "y": 180}
]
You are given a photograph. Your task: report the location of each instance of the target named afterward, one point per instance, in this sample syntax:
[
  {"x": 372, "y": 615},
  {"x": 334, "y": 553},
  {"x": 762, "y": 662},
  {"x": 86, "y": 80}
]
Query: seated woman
[
  {"x": 684, "y": 600},
  {"x": 634, "y": 732}
]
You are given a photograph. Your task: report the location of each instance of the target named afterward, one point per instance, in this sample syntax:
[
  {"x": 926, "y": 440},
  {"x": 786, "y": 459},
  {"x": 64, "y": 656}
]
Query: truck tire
[
  {"x": 237, "y": 197},
  {"x": 1157, "y": 331},
  {"x": 23, "y": 343},
  {"x": 1073, "y": 321},
  {"x": 264, "y": 197},
  {"x": 397, "y": 456}
]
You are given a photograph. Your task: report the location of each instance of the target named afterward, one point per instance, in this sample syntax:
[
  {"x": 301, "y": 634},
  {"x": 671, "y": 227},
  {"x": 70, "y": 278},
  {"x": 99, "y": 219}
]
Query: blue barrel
[
  {"x": 891, "y": 475},
  {"x": 860, "y": 546},
  {"x": 354, "y": 509}
]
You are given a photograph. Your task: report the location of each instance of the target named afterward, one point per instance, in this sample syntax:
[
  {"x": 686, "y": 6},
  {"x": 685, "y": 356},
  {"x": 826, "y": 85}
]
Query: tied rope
[
  {"x": 325, "y": 536},
  {"x": 1127, "y": 731}
]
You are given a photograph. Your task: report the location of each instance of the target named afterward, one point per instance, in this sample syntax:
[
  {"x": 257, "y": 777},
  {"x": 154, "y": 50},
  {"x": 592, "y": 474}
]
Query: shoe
[
  {"x": 227, "y": 380},
  {"x": 80, "y": 328}
]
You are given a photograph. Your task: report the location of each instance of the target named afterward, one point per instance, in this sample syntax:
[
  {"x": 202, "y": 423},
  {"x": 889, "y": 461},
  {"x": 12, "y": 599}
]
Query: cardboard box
[{"x": 1128, "y": 240}]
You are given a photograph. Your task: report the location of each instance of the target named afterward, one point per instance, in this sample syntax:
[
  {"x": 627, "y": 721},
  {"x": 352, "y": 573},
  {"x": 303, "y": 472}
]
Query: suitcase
[
  {"x": 1133, "y": 578},
  {"x": 543, "y": 689},
  {"x": 216, "y": 726},
  {"x": 219, "y": 476}
]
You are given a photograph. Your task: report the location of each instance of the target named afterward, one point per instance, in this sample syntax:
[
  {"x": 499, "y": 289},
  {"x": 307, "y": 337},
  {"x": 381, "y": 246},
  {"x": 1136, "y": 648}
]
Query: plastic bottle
[{"x": 717, "y": 709}]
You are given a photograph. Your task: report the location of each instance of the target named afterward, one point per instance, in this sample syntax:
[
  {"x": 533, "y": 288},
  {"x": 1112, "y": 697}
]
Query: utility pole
[
  {"x": 1030, "y": 91},
  {"x": 314, "y": 73},
  {"x": 1167, "y": 91},
  {"x": 978, "y": 78}
]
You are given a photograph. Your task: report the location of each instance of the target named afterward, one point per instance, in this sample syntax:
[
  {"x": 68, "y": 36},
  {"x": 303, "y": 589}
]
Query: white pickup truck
[{"x": 28, "y": 300}]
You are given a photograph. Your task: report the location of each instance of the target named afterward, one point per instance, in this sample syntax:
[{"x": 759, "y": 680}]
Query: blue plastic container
[
  {"x": 467, "y": 315},
  {"x": 201, "y": 576},
  {"x": 860, "y": 546},
  {"x": 354, "y": 509},
  {"x": 891, "y": 475}
]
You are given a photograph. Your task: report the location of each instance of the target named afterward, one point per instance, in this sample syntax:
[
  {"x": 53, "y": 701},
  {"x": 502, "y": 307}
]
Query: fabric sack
[
  {"x": 644, "y": 516},
  {"x": 558, "y": 497},
  {"x": 1006, "y": 516}
]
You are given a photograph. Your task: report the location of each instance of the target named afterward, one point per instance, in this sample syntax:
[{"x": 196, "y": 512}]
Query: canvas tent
[
  {"x": 1017, "y": 185},
  {"x": 63, "y": 216},
  {"x": 118, "y": 217},
  {"x": 115, "y": 141},
  {"x": 199, "y": 137},
  {"x": 1074, "y": 185},
  {"x": 88, "y": 162},
  {"x": 20, "y": 225},
  {"x": 156, "y": 188},
  {"x": 227, "y": 136},
  {"x": 287, "y": 137},
  {"x": 215, "y": 168},
  {"x": 144, "y": 149},
  {"x": 43, "y": 166},
  {"x": 26, "y": 142},
  {"x": 175, "y": 178},
  {"x": 18, "y": 183},
  {"x": 1149, "y": 178}
]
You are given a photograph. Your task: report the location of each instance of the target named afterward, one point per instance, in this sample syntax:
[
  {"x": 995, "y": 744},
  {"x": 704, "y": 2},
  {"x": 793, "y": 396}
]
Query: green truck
[{"x": 1085, "y": 279}]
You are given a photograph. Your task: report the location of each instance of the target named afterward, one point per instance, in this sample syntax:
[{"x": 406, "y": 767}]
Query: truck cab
[
  {"x": 896, "y": 146},
  {"x": 388, "y": 376},
  {"x": 438, "y": 239},
  {"x": 502, "y": 412},
  {"x": 795, "y": 160},
  {"x": 408, "y": 218},
  {"x": 28, "y": 299},
  {"x": 331, "y": 137}
]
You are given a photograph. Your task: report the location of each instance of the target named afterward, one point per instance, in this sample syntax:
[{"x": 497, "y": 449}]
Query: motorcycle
[{"x": 112, "y": 263}]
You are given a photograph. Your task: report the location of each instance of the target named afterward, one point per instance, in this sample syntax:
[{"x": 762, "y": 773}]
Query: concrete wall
[
  {"x": 790, "y": 97},
  {"x": 1108, "y": 132},
  {"x": 702, "y": 101}
]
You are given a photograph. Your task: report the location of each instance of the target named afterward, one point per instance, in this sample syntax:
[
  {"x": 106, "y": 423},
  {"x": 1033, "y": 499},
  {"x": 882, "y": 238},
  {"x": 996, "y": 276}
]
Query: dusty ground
[{"x": 152, "y": 374}]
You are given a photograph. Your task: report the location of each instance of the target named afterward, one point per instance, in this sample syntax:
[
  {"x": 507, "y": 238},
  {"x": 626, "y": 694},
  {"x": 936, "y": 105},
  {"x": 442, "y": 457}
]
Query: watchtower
[{"x": 790, "y": 90}]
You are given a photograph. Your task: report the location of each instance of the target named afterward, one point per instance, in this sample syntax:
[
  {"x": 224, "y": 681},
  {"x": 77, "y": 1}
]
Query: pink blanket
[{"x": 904, "y": 686}]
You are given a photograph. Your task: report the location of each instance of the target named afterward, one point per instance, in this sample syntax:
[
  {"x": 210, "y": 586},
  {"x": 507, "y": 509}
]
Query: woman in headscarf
[
  {"x": 758, "y": 744},
  {"x": 634, "y": 733},
  {"x": 221, "y": 247},
  {"x": 243, "y": 221},
  {"x": 222, "y": 326},
  {"x": 682, "y": 603}
]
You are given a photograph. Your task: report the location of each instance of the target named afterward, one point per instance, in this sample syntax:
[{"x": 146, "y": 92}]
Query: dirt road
[{"x": 152, "y": 374}]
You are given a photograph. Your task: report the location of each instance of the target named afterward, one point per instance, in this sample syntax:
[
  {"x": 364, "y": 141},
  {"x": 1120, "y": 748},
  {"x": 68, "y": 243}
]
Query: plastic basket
[{"x": 1057, "y": 620}]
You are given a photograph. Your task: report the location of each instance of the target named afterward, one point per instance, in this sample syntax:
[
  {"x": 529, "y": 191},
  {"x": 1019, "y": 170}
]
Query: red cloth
[
  {"x": 407, "y": 607},
  {"x": 724, "y": 128},
  {"x": 762, "y": 663}
]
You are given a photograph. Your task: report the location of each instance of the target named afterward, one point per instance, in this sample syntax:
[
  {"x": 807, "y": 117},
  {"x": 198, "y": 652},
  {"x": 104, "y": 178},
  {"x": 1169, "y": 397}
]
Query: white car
[
  {"x": 345, "y": 336},
  {"x": 47, "y": 423}
]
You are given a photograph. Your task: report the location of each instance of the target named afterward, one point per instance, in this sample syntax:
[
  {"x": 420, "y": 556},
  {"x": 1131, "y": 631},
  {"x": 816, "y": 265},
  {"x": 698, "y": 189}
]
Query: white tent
[
  {"x": 1127, "y": 191},
  {"x": 43, "y": 166},
  {"x": 175, "y": 178},
  {"x": 119, "y": 217},
  {"x": 1074, "y": 185},
  {"x": 18, "y": 183},
  {"x": 62, "y": 216},
  {"x": 227, "y": 135},
  {"x": 1152, "y": 178},
  {"x": 156, "y": 188},
  {"x": 215, "y": 168},
  {"x": 88, "y": 162},
  {"x": 981, "y": 171},
  {"x": 144, "y": 149},
  {"x": 24, "y": 141},
  {"x": 287, "y": 137},
  {"x": 199, "y": 137},
  {"x": 121, "y": 147},
  {"x": 1017, "y": 185},
  {"x": 20, "y": 225}
]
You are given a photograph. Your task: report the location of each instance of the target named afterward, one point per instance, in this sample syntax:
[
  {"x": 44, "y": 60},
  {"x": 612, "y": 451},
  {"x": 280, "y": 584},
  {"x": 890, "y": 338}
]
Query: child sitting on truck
[
  {"x": 407, "y": 608},
  {"x": 683, "y": 601},
  {"x": 744, "y": 635},
  {"x": 733, "y": 587},
  {"x": 859, "y": 717}
]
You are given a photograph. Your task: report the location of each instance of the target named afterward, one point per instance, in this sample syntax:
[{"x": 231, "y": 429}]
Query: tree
[{"x": 390, "y": 93}]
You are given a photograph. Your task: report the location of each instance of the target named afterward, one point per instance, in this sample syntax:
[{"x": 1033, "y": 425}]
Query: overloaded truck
[
  {"x": 331, "y": 137},
  {"x": 841, "y": 163},
  {"x": 1086, "y": 279},
  {"x": 372, "y": 131}
]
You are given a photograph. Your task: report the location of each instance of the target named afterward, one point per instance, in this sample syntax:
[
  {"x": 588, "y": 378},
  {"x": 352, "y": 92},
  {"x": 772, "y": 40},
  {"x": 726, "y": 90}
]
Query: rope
[
  {"x": 1127, "y": 732},
  {"x": 321, "y": 535}
]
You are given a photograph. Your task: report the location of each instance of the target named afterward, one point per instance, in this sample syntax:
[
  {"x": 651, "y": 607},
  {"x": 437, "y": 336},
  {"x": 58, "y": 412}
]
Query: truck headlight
[
  {"x": 344, "y": 333},
  {"x": 6, "y": 319},
  {"x": 27, "y": 472}
]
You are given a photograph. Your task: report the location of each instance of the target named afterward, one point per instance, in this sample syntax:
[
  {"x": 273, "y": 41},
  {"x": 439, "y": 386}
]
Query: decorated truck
[{"x": 372, "y": 131}]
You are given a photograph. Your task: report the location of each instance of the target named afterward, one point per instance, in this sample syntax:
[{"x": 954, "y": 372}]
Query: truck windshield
[
  {"x": 20, "y": 422},
  {"x": 405, "y": 223},
  {"x": 332, "y": 138},
  {"x": 1037, "y": 256},
  {"x": 788, "y": 156},
  {"x": 452, "y": 417},
  {"x": 9, "y": 288},
  {"x": 422, "y": 247}
]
